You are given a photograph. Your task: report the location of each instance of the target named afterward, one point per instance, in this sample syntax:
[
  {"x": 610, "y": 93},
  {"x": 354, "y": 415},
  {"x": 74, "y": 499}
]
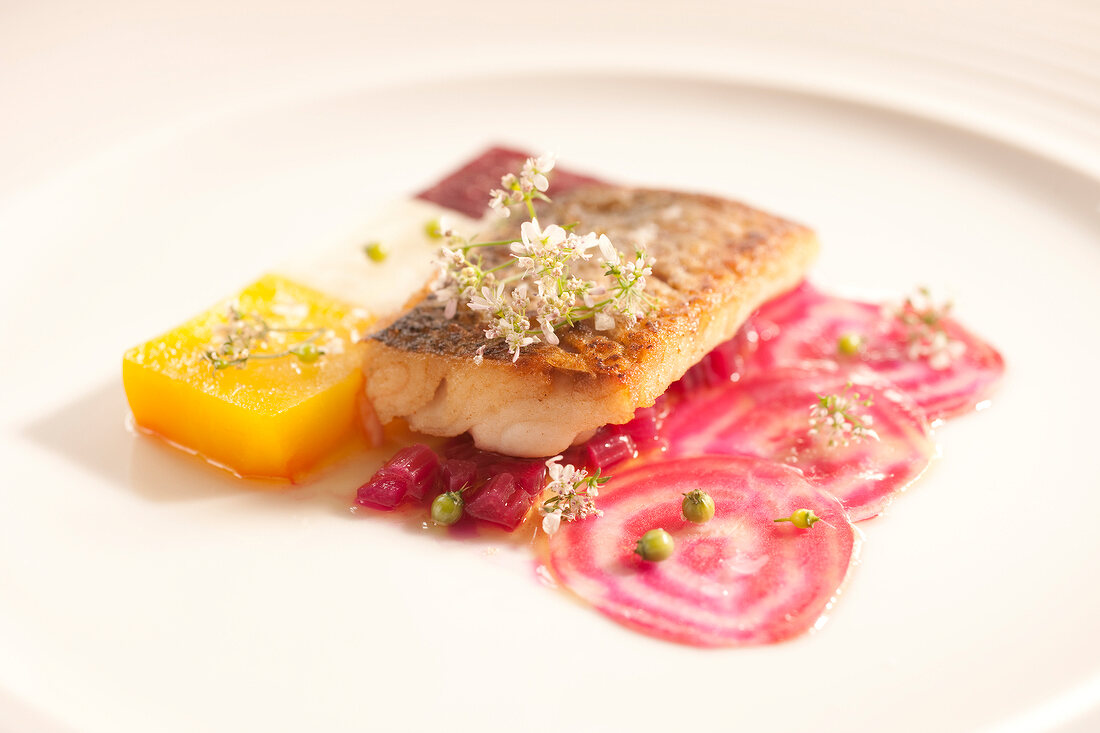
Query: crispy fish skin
[{"x": 717, "y": 261}]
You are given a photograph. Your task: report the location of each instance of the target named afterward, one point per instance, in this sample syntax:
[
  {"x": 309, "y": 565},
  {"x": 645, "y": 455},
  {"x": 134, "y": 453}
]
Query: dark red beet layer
[{"x": 467, "y": 189}]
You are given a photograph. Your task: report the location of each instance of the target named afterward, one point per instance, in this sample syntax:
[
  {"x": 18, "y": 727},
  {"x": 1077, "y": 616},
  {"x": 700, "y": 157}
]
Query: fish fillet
[{"x": 717, "y": 261}]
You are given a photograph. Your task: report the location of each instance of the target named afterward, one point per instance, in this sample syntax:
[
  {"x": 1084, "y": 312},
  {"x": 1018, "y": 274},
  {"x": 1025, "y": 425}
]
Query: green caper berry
[
  {"x": 655, "y": 545},
  {"x": 697, "y": 506},
  {"x": 447, "y": 508},
  {"x": 376, "y": 252},
  {"x": 801, "y": 518},
  {"x": 849, "y": 344},
  {"x": 433, "y": 229},
  {"x": 308, "y": 353}
]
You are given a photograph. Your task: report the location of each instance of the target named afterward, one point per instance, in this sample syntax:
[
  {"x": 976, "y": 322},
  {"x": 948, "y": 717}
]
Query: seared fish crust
[{"x": 717, "y": 261}]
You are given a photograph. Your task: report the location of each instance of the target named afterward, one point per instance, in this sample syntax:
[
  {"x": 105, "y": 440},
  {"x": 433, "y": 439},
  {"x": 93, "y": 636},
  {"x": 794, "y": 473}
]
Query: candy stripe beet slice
[
  {"x": 805, "y": 326},
  {"x": 739, "y": 579},
  {"x": 768, "y": 415}
]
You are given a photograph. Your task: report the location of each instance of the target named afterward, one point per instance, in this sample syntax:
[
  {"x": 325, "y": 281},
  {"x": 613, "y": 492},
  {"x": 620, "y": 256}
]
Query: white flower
[
  {"x": 836, "y": 416},
  {"x": 548, "y": 330},
  {"x": 535, "y": 170},
  {"x": 498, "y": 202},
  {"x": 516, "y": 340},
  {"x": 574, "y": 493},
  {"x": 923, "y": 323},
  {"x": 551, "y": 522},
  {"x": 523, "y": 254},
  {"x": 577, "y": 246},
  {"x": 480, "y": 355},
  {"x": 607, "y": 249},
  {"x": 488, "y": 300},
  {"x": 457, "y": 278},
  {"x": 510, "y": 194},
  {"x": 538, "y": 239},
  {"x": 604, "y": 321},
  {"x": 543, "y": 257}
]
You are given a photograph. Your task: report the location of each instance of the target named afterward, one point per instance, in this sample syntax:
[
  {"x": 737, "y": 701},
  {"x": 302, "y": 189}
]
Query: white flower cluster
[
  {"x": 241, "y": 333},
  {"x": 508, "y": 317},
  {"x": 628, "y": 279},
  {"x": 459, "y": 278},
  {"x": 547, "y": 289},
  {"x": 835, "y": 417},
  {"x": 574, "y": 496},
  {"x": 531, "y": 183},
  {"x": 924, "y": 331},
  {"x": 246, "y": 336}
]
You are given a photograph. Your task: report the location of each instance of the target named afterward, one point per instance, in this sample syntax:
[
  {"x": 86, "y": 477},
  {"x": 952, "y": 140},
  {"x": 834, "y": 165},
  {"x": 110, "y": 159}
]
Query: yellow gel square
[{"x": 268, "y": 417}]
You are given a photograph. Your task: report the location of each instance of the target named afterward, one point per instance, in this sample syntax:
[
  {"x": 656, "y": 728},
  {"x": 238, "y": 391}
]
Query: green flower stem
[
  {"x": 498, "y": 243},
  {"x": 499, "y": 267}
]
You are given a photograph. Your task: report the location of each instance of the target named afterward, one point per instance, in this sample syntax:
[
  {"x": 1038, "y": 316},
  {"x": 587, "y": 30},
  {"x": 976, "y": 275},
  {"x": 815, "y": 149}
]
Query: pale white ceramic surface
[{"x": 140, "y": 590}]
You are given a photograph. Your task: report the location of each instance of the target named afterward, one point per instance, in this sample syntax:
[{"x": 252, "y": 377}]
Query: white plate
[{"x": 141, "y": 590}]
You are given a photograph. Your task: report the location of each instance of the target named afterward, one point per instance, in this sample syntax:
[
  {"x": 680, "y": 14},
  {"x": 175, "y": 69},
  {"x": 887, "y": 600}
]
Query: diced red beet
[
  {"x": 609, "y": 447},
  {"x": 467, "y": 189},
  {"x": 421, "y": 464},
  {"x": 723, "y": 364},
  {"x": 412, "y": 472},
  {"x": 645, "y": 428},
  {"x": 456, "y": 474},
  {"x": 529, "y": 474},
  {"x": 383, "y": 491},
  {"x": 740, "y": 579},
  {"x": 501, "y": 501},
  {"x": 461, "y": 446},
  {"x": 576, "y": 455}
]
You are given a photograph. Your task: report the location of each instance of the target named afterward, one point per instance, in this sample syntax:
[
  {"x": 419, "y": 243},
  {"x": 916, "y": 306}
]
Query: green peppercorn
[
  {"x": 447, "y": 508},
  {"x": 801, "y": 518},
  {"x": 655, "y": 545},
  {"x": 433, "y": 229},
  {"x": 376, "y": 252},
  {"x": 308, "y": 353},
  {"x": 697, "y": 506},
  {"x": 850, "y": 344}
]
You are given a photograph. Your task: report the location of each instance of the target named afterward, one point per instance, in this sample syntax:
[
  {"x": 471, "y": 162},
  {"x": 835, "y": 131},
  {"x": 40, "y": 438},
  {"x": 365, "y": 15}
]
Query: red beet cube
[
  {"x": 529, "y": 473},
  {"x": 608, "y": 447},
  {"x": 457, "y": 473},
  {"x": 412, "y": 472},
  {"x": 383, "y": 491},
  {"x": 501, "y": 501}
]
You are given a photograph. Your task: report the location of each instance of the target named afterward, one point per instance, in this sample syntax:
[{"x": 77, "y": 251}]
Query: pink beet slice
[
  {"x": 804, "y": 326},
  {"x": 768, "y": 415},
  {"x": 467, "y": 189},
  {"x": 739, "y": 579}
]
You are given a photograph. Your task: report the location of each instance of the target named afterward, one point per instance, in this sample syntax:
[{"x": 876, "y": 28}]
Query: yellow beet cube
[{"x": 272, "y": 413}]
